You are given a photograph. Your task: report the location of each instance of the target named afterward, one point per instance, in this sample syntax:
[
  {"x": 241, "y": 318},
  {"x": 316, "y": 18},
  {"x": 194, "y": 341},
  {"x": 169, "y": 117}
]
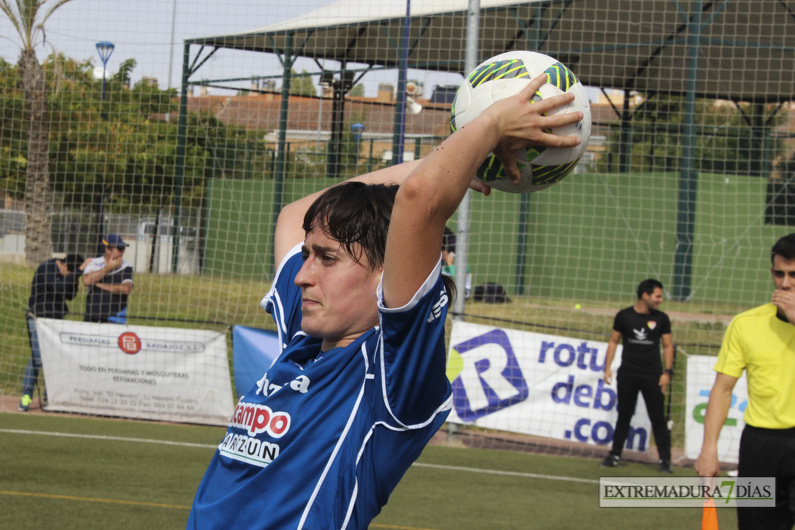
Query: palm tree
[{"x": 24, "y": 16}]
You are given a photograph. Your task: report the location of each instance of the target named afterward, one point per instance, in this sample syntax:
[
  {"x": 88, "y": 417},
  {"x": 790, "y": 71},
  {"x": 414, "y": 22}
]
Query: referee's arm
[{"x": 720, "y": 399}]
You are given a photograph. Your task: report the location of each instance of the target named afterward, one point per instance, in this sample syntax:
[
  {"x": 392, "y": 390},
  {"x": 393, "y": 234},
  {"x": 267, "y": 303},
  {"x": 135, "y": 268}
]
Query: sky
[{"x": 142, "y": 29}]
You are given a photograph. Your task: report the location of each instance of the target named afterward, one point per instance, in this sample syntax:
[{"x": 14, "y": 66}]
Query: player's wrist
[{"x": 493, "y": 121}]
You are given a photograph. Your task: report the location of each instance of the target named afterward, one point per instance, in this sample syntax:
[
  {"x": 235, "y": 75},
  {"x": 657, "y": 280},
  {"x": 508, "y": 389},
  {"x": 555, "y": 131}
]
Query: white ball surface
[{"x": 505, "y": 75}]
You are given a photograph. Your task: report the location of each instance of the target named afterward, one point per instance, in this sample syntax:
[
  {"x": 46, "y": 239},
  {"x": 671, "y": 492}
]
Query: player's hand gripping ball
[{"x": 505, "y": 75}]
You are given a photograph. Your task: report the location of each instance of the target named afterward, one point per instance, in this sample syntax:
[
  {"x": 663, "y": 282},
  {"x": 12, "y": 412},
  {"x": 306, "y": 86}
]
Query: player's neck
[
  {"x": 642, "y": 308},
  {"x": 331, "y": 343}
]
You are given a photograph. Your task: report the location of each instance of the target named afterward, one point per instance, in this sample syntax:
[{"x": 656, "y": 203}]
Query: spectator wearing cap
[
  {"x": 110, "y": 281},
  {"x": 56, "y": 281}
]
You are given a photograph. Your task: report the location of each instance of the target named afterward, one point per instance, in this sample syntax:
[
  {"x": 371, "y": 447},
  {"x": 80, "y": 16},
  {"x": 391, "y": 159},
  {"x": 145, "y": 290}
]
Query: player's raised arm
[
  {"x": 289, "y": 230},
  {"x": 434, "y": 189}
]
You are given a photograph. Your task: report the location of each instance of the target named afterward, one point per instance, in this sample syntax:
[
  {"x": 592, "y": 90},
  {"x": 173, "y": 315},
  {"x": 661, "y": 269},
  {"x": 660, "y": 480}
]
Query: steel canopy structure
[
  {"x": 694, "y": 48},
  {"x": 641, "y": 45}
]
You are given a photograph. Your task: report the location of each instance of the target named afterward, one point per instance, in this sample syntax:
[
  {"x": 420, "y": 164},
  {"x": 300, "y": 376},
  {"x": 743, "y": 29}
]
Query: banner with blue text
[{"x": 537, "y": 384}]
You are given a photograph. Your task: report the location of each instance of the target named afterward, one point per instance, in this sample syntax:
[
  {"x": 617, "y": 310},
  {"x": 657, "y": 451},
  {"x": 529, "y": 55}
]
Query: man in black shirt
[
  {"x": 642, "y": 327},
  {"x": 55, "y": 282}
]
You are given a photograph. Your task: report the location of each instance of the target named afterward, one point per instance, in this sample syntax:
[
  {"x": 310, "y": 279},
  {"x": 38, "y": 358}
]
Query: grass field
[
  {"x": 88, "y": 473},
  {"x": 49, "y": 481}
]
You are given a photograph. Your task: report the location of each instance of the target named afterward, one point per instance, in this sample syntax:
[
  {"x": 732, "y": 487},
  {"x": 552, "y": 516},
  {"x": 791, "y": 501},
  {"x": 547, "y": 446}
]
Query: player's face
[
  {"x": 783, "y": 272},
  {"x": 338, "y": 295},
  {"x": 654, "y": 299}
]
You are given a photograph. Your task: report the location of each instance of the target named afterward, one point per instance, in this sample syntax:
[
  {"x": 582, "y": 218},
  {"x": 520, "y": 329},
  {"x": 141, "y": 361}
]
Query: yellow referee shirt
[{"x": 764, "y": 346}]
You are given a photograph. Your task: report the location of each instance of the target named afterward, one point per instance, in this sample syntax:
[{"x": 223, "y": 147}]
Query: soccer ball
[{"x": 503, "y": 76}]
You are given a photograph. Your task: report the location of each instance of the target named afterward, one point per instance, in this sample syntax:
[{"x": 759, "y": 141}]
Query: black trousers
[
  {"x": 628, "y": 386},
  {"x": 769, "y": 453}
]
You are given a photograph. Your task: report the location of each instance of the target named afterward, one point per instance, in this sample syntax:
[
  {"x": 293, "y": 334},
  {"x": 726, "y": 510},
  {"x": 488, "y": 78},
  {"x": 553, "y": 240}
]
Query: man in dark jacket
[{"x": 55, "y": 282}]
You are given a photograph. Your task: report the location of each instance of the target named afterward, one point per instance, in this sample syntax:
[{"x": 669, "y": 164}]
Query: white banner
[
  {"x": 168, "y": 374},
  {"x": 537, "y": 384},
  {"x": 700, "y": 378}
]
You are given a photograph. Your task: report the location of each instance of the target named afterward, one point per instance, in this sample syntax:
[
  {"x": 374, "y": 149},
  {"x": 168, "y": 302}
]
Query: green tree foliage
[
  {"x": 302, "y": 85},
  {"x": 13, "y": 143},
  {"x": 124, "y": 74},
  {"x": 734, "y": 139},
  {"x": 129, "y": 157},
  {"x": 28, "y": 18}
]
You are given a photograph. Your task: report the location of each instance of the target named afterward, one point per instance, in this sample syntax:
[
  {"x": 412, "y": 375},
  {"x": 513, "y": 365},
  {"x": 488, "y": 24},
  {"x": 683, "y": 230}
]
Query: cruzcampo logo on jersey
[{"x": 485, "y": 376}]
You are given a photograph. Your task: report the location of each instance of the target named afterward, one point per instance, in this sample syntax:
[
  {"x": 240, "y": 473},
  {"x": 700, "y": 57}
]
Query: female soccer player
[{"x": 359, "y": 387}]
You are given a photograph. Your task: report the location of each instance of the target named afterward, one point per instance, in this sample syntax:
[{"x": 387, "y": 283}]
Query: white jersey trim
[
  {"x": 273, "y": 296},
  {"x": 446, "y": 404},
  {"x": 365, "y": 441},
  {"x": 430, "y": 283},
  {"x": 352, "y": 503},
  {"x": 336, "y": 451},
  {"x": 367, "y": 375},
  {"x": 424, "y": 289}
]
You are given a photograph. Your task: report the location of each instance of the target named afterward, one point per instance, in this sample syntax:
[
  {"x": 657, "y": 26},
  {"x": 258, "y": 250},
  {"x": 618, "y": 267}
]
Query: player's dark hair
[
  {"x": 355, "y": 213},
  {"x": 648, "y": 287},
  {"x": 784, "y": 247},
  {"x": 73, "y": 262}
]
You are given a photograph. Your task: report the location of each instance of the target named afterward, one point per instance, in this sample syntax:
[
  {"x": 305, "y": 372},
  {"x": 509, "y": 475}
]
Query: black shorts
[{"x": 769, "y": 453}]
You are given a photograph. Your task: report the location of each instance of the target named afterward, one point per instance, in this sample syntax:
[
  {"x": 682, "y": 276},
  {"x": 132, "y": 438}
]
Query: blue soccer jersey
[{"x": 324, "y": 437}]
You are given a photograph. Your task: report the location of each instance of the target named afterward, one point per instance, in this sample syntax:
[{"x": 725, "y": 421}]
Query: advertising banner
[
  {"x": 168, "y": 374},
  {"x": 537, "y": 384},
  {"x": 700, "y": 378}
]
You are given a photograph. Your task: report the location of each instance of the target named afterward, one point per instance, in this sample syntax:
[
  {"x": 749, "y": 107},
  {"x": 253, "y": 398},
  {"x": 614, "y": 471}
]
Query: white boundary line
[
  {"x": 509, "y": 473},
  {"x": 208, "y": 446},
  {"x": 113, "y": 438}
]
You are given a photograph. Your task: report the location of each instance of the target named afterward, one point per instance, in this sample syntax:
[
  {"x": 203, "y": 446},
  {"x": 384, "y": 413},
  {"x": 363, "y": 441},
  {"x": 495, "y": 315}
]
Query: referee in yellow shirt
[{"x": 761, "y": 342}]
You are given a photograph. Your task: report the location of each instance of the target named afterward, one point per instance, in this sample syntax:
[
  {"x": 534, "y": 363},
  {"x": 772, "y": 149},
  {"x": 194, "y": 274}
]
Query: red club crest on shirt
[
  {"x": 652, "y": 324},
  {"x": 129, "y": 343}
]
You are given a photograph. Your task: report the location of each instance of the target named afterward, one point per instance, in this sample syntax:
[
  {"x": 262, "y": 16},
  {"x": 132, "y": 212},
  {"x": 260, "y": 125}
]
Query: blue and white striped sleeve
[
  {"x": 411, "y": 362},
  {"x": 283, "y": 300}
]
